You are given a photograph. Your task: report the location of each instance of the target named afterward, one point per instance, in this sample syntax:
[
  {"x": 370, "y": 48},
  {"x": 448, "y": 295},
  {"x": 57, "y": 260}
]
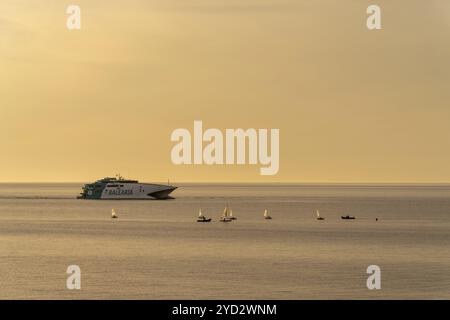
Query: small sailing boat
[
  {"x": 202, "y": 218},
  {"x": 231, "y": 215},
  {"x": 347, "y": 217},
  {"x": 113, "y": 214},
  {"x": 266, "y": 215},
  {"x": 225, "y": 217},
  {"x": 318, "y": 215}
]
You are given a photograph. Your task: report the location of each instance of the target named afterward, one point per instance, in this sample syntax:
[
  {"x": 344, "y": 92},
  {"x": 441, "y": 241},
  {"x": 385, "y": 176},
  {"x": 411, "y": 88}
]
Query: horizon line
[{"x": 259, "y": 182}]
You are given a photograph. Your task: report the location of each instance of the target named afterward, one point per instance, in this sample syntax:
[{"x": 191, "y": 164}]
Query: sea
[{"x": 157, "y": 250}]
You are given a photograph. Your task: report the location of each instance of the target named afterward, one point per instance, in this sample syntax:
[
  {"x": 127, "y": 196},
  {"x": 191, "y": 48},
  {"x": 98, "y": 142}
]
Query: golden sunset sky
[{"x": 352, "y": 105}]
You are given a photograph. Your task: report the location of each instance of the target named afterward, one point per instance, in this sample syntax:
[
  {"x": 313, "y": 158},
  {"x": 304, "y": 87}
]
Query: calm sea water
[{"x": 156, "y": 250}]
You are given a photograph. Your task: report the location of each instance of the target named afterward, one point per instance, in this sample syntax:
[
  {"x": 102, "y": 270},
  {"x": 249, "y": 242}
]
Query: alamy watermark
[
  {"x": 74, "y": 280},
  {"x": 74, "y": 19},
  {"x": 231, "y": 149},
  {"x": 374, "y": 20},
  {"x": 374, "y": 280}
]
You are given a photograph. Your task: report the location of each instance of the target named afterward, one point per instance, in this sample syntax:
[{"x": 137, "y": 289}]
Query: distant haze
[{"x": 352, "y": 105}]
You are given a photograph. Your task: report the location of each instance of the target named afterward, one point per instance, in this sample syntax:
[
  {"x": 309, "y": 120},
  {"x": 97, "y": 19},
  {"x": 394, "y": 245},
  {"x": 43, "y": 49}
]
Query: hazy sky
[{"x": 352, "y": 105}]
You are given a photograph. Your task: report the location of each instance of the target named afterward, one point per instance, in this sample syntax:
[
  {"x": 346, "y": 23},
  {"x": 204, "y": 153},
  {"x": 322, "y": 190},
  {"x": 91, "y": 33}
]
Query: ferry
[{"x": 119, "y": 188}]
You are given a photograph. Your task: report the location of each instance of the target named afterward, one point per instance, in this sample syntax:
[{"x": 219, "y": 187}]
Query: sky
[{"x": 351, "y": 104}]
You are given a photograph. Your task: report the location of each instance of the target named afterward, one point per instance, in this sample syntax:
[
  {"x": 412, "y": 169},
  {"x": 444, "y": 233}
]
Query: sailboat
[
  {"x": 225, "y": 217},
  {"x": 113, "y": 214},
  {"x": 202, "y": 218},
  {"x": 318, "y": 215},
  {"x": 231, "y": 215},
  {"x": 266, "y": 215}
]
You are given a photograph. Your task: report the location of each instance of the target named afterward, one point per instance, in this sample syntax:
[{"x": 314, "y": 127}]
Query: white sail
[
  {"x": 231, "y": 213},
  {"x": 318, "y": 213},
  {"x": 200, "y": 214},
  {"x": 113, "y": 213},
  {"x": 265, "y": 213},
  {"x": 225, "y": 211}
]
